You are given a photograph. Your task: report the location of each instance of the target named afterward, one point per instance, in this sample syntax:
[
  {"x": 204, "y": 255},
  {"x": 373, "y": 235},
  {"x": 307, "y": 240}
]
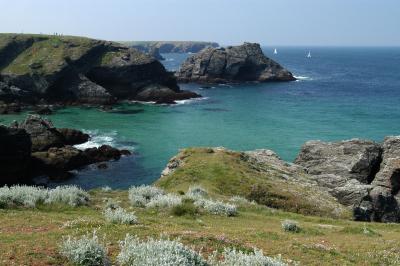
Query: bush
[
  {"x": 156, "y": 253},
  {"x": 71, "y": 195},
  {"x": 111, "y": 204},
  {"x": 291, "y": 226},
  {"x": 164, "y": 201},
  {"x": 120, "y": 216},
  {"x": 239, "y": 200},
  {"x": 27, "y": 196},
  {"x": 197, "y": 191},
  {"x": 232, "y": 257},
  {"x": 217, "y": 207},
  {"x": 141, "y": 195},
  {"x": 187, "y": 207},
  {"x": 30, "y": 196},
  {"x": 85, "y": 251}
]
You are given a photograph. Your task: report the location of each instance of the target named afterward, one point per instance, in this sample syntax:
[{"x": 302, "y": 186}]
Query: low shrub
[
  {"x": 156, "y": 253},
  {"x": 291, "y": 226},
  {"x": 232, "y": 257},
  {"x": 85, "y": 251},
  {"x": 120, "y": 216},
  {"x": 71, "y": 195},
  {"x": 217, "y": 207},
  {"x": 141, "y": 195},
  {"x": 240, "y": 200},
  {"x": 197, "y": 191},
  {"x": 164, "y": 201},
  {"x": 187, "y": 207},
  {"x": 111, "y": 204},
  {"x": 31, "y": 196},
  {"x": 26, "y": 196}
]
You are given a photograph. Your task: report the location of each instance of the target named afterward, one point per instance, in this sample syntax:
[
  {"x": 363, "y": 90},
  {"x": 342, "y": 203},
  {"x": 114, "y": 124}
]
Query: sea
[{"x": 340, "y": 93}]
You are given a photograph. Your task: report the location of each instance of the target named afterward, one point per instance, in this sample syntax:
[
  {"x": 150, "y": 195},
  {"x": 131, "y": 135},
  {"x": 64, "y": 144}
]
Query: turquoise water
[{"x": 342, "y": 93}]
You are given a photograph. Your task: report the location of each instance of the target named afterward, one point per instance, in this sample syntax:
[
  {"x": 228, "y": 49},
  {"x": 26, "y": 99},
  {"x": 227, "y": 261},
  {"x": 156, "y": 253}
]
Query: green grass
[
  {"x": 48, "y": 53},
  {"x": 31, "y": 237},
  {"x": 226, "y": 173}
]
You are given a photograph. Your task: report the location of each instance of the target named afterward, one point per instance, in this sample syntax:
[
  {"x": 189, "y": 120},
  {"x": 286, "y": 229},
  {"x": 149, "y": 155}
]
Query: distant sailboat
[
  {"x": 275, "y": 51},
  {"x": 309, "y": 55}
]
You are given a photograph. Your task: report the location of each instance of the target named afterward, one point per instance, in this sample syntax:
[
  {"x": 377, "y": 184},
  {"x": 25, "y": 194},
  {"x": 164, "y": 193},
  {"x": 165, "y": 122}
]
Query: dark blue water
[{"x": 341, "y": 93}]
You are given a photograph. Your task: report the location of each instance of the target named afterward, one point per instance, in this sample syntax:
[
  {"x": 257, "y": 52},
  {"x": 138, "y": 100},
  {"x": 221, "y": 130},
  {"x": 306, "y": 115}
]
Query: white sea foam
[
  {"x": 97, "y": 139},
  {"x": 302, "y": 78},
  {"x": 189, "y": 101}
]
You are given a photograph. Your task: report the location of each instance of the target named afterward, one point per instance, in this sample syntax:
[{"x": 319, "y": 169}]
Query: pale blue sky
[{"x": 278, "y": 22}]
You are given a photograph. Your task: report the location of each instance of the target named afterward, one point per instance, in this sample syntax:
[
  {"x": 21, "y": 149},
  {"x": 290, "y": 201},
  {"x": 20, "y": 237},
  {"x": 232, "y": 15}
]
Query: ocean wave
[
  {"x": 302, "y": 78},
  {"x": 189, "y": 101},
  {"x": 98, "y": 139}
]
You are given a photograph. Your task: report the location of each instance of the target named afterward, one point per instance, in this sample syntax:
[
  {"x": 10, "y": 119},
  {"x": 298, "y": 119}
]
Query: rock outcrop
[
  {"x": 35, "y": 147},
  {"x": 155, "y": 52},
  {"x": 231, "y": 65},
  {"x": 172, "y": 47},
  {"x": 359, "y": 173},
  {"x": 15, "y": 152},
  {"x": 75, "y": 70}
]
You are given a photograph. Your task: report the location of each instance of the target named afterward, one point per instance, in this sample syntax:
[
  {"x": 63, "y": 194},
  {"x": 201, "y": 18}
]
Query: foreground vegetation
[{"x": 32, "y": 236}]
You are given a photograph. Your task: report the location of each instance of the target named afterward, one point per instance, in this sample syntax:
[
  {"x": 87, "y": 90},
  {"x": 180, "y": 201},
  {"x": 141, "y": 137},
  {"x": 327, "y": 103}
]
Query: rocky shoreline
[{"x": 35, "y": 147}]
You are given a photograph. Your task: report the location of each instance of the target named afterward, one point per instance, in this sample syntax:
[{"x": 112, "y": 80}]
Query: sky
[{"x": 278, "y": 22}]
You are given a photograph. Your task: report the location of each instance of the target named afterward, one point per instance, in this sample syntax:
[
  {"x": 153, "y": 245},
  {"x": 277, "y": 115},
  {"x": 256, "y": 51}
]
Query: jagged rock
[
  {"x": 42, "y": 132},
  {"x": 389, "y": 174},
  {"x": 162, "y": 94},
  {"x": 102, "y": 154},
  {"x": 351, "y": 159},
  {"x": 15, "y": 150},
  {"x": 10, "y": 108},
  {"x": 44, "y": 110},
  {"x": 73, "y": 136},
  {"x": 232, "y": 64},
  {"x": 155, "y": 53},
  {"x": 57, "y": 161}
]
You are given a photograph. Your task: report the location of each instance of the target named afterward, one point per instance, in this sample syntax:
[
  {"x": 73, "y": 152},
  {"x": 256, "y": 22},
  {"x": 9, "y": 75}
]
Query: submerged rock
[{"x": 232, "y": 64}]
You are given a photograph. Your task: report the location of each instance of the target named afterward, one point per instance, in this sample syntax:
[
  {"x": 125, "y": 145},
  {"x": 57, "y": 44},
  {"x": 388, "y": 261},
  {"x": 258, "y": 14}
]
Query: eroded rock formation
[{"x": 232, "y": 64}]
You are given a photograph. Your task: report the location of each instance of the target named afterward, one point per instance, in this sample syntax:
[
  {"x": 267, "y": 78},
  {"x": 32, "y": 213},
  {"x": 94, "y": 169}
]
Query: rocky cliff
[
  {"x": 172, "y": 46},
  {"x": 64, "y": 69},
  {"x": 232, "y": 64}
]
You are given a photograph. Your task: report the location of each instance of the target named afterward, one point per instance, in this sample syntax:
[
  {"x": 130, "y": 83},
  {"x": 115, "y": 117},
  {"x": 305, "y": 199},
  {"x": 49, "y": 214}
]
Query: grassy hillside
[
  {"x": 41, "y": 54},
  {"x": 229, "y": 173},
  {"x": 32, "y": 236}
]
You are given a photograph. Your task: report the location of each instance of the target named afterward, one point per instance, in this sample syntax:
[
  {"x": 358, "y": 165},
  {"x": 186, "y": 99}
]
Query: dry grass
[{"x": 31, "y": 237}]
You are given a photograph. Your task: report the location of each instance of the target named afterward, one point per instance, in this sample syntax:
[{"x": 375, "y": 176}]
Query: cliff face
[
  {"x": 232, "y": 64},
  {"x": 78, "y": 70},
  {"x": 172, "y": 47}
]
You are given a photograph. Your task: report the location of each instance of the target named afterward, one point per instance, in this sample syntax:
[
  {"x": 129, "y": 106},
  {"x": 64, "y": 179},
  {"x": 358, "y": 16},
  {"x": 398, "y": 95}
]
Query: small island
[{"x": 233, "y": 64}]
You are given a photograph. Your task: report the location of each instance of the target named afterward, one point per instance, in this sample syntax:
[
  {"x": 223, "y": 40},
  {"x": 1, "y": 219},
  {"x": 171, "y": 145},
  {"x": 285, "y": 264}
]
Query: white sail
[
  {"x": 309, "y": 55},
  {"x": 275, "y": 51}
]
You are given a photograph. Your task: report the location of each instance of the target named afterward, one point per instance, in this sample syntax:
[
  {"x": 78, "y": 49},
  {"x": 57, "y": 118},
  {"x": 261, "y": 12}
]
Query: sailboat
[
  {"x": 309, "y": 55},
  {"x": 275, "y": 51}
]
